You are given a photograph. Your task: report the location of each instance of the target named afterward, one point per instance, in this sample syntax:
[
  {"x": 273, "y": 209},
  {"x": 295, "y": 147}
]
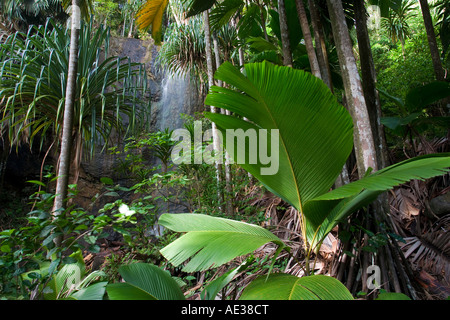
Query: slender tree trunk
[
  {"x": 369, "y": 80},
  {"x": 435, "y": 57},
  {"x": 124, "y": 25},
  {"x": 227, "y": 167},
  {"x": 241, "y": 65},
  {"x": 303, "y": 19},
  {"x": 130, "y": 31},
  {"x": 364, "y": 144},
  {"x": 287, "y": 54},
  {"x": 261, "y": 6},
  {"x": 321, "y": 50},
  {"x": 210, "y": 70},
  {"x": 66, "y": 139}
]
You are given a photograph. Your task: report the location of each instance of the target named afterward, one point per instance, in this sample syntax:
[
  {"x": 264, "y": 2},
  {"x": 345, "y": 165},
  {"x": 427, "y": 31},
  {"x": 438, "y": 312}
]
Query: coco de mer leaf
[
  {"x": 315, "y": 139},
  {"x": 288, "y": 287},
  {"x": 144, "y": 282},
  {"x": 315, "y": 131},
  {"x": 211, "y": 241},
  {"x": 325, "y": 211}
]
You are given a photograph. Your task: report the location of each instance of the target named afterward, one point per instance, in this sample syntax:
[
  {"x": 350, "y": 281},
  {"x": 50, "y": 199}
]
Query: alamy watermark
[
  {"x": 374, "y": 280},
  {"x": 374, "y": 21},
  {"x": 249, "y": 146}
]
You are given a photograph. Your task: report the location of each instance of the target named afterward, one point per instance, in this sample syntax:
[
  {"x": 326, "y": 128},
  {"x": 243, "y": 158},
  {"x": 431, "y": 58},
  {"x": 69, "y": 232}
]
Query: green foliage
[
  {"x": 416, "y": 110},
  {"x": 198, "y": 6},
  {"x": 295, "y": 31},
  {"x": 214, "y": 287},
  {"x": 148, "y": 282},
  {"x": 22, "y": 14},
  {"x": 442, "y": 9},
  {"x": 144, "y": 282},
  {"x": 221, "y": 14},
  {"x": 33, "y": 68},
  {"x": 288, "y": 287},
  {"x": 392, "y": 296},
  {"x": 311, "y": 156},
  {"x": 30, "y": 258},
  {"x": 401, "y": 73},
  {"x": 107, "y": 11},
  {"x": 401, "y": 69},
  {"x": 73, "y": 283},
  {"x": 396, "y": 22},
  {"x": 183, "y": 51},
  {"x": 205, "y": 234}
]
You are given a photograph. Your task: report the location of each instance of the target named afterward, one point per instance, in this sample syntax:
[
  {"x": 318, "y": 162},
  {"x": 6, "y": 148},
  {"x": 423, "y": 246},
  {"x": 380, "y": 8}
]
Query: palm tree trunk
[
  {"x": 437, "y": 65},
  {"x": 286, "y": 47},
  {"x": 66, "y": 139},
  {"x": 321, "y": 50},
  {"x": 263, "y": 20},
  {"x": 364, "y": 144},
  {"x": 210, "y": 70},
  {"x": 130, "y": 31},
  {"x": 303, "y": 19},
  {"x": 369, "y": 80},
  {"x": 124, "y": 25}
]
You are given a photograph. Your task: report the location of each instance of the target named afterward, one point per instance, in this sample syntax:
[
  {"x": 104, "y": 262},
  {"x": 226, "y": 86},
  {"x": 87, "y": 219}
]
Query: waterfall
[{"x": 176, "y": 99}]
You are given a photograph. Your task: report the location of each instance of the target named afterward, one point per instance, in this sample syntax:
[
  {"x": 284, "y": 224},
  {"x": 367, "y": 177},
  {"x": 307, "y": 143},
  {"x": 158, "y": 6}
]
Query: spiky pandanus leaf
[{"x": 33, "y": 70}]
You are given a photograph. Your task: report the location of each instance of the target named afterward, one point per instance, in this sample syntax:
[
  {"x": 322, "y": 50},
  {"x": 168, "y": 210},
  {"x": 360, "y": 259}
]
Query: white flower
[{"x": 125, "y": 210}]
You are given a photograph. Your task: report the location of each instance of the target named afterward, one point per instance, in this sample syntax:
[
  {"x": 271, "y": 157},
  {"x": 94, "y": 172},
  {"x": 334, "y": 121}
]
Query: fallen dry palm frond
[
  {"x": 405, "y": 206},
  {"x": 431, "y": 249}
]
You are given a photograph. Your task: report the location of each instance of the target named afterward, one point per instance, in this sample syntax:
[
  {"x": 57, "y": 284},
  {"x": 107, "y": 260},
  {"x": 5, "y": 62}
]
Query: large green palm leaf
[
  {"x": 313, "y": 127},
  {"x": 144, "y": 282},
  {"x": 211, "y": 241},
  {"x": 288, "y": 287},
  {"x": 315, "y": 139}
]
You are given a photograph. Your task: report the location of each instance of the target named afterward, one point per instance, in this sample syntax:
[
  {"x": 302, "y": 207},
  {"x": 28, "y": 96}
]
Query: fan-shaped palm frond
[
  {"x": 198, "y": 6},
  {"x": 211, "y": 241},
  {"x": 144, "y": 282},
  {"x": 306, "y": 166},
  {"x": 221, "y": 14},
  {"x": 313, "y": 138},
  {"x": 288, "y": 287},
  {"x": 431, "y": 250}
]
